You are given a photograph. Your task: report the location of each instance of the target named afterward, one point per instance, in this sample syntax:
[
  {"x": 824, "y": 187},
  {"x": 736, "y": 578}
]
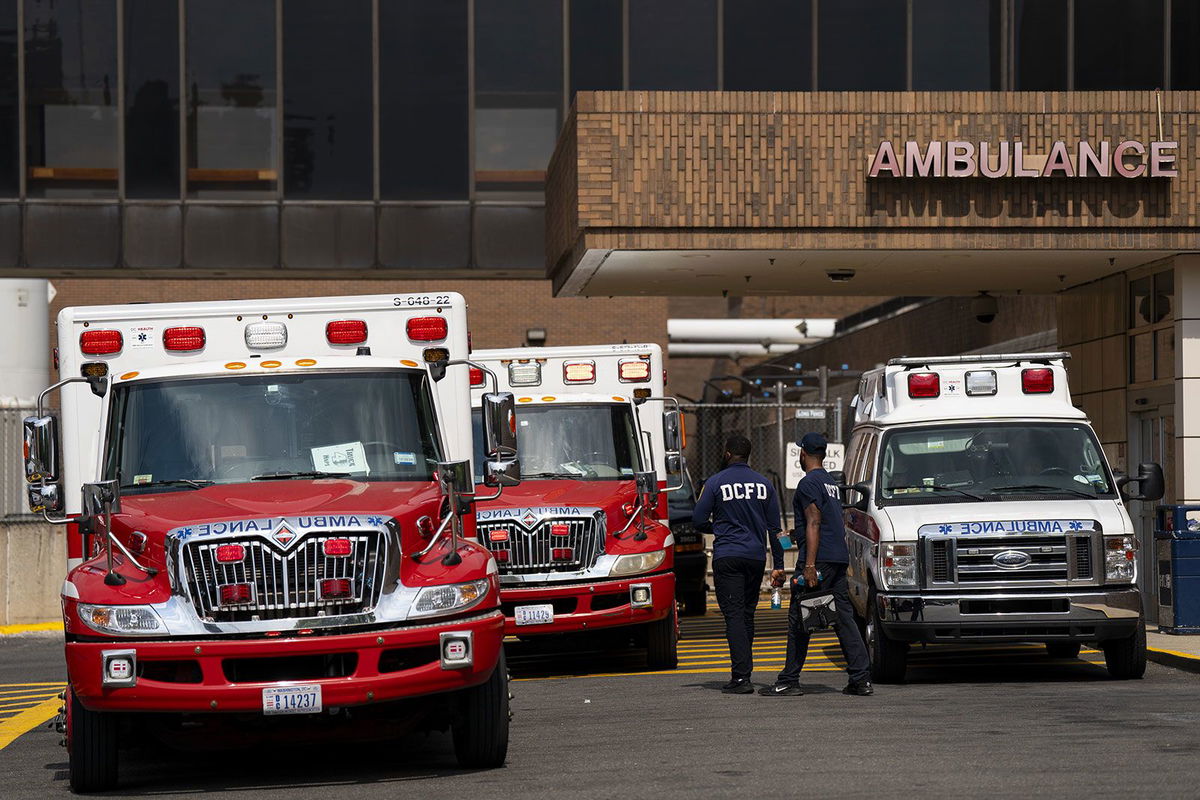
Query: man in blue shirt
[
  {"x": 822, "y": 550},
  {"x": 744, "y": 509}
]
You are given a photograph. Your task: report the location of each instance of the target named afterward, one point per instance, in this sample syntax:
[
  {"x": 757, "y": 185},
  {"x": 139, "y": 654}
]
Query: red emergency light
[
  {"x": 633, "y": 371},
  {"x": 1039, "y": 380},
  {"x": 335, "y": 588},
  {"x": 230, "y": 553},
  {"x": 336, "y": 547},
  {"x": 501, "y": 556},
  {"x": 560, "y": 529},
  {"x": 579, "y": 372},
  {"x": 101, "y": 342},
  {"x": 346, "y": 331},
  {"x": 233, "y": 594},
  {"x": 924, "y": 384},
  {"x": 563, "y": 554},
  {"x": 498, "y": 535},
  {"x": 426, "y": 329},
  {"x": 184, "y": 339},
  {"x": 476, "y": 376}
]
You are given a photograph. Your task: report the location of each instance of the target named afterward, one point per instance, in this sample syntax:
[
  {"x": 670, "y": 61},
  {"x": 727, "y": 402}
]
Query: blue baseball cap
[{"x": 812, "y": 442}]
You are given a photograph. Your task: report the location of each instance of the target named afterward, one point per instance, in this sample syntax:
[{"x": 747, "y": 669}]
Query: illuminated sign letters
[{"x": 960, "y": 159}]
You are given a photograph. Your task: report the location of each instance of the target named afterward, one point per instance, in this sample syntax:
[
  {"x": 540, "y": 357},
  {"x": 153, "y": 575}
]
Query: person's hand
[
  {"x": 810, "y": 576},
  {"x": 777, "y": 577}
]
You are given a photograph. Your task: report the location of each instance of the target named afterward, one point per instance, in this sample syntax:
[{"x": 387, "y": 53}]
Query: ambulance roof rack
[{"x": 977, "y": 359}]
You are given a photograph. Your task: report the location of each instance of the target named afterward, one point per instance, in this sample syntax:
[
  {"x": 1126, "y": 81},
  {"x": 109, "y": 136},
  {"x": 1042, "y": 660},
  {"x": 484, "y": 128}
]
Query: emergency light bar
[
  {"x": 633, "y": 370},
  {"x": 346, "y": 331},
  {"x": 185, "y": 339},
  {"x": 426, "y": 329},
  {"x": 101, "y": 342},
  {"x": 924, "y": 384},
  {"x": 1039, "y": 380},
  {"x": 579, "y": 372},
  {"x": 977, "y": 359},
  {"x": 266, "y": 335},
  {"x": 524, "y": 373},
  {"x": 981, "y": 382}
]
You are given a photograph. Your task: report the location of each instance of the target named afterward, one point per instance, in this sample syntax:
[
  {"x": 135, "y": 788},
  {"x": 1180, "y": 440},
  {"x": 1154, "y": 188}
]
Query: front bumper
[
  {"x": 388, "y": 665},
  {"x": 589, "y": 606},
  {"x": 1091, "y": 616}
]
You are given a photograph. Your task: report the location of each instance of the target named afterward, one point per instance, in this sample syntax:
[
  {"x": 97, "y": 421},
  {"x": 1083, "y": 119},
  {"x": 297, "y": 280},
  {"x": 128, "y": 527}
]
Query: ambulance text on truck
[
  {"x": 984, "y": 511},
  {"x": 583, "y": 545},
  {"x": 270, "y": 512}
]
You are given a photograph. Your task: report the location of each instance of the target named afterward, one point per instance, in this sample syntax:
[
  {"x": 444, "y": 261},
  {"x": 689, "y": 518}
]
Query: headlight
[
  {"x": 1120, "y": 558},
  {"x": 451, "y": 597},
  {"x": 122, "y": 620},
  {"x": 898, "y": 563},
  {"x": 638, "y": 562}
]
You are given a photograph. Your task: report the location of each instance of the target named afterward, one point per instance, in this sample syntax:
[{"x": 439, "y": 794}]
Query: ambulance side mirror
[
  {"x": 863, "y": 492},
  {"x": 647, "y": 487},
  {"x": 502, "y": 468},
  {"x": 44, "y": 483},
  {"x": 1151, "y": 484}
]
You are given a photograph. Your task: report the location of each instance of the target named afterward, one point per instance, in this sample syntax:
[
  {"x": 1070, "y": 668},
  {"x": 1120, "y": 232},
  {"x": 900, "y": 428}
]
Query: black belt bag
[{"x": 817, "y": 610}]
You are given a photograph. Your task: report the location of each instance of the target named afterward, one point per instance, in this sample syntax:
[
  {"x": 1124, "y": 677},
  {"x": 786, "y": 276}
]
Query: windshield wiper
[
  {"x": 287, "y": 476},
  {"x": 571, "y": 475},
  {"x": 1045, "y": 486},
  {"x": 188, "y": 482},
  {"x": 936, "y": 487}
]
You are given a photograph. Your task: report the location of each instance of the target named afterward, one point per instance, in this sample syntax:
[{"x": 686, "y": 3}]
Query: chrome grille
[
  {"x": 531, "y": 550},
  {"x": 1083, "y": 556},
  {"x": 285, "y": 583},
  {"x": 939, "y": 570},
  {"x": 963, "y": 561}
]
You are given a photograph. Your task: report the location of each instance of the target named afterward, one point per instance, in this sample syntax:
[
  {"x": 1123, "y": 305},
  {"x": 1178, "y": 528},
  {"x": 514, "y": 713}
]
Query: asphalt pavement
[{"x": 994, "y": 722}]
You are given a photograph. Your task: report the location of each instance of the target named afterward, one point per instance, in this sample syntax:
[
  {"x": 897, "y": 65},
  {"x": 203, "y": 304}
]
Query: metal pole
[
  {"x": 782, "y": 443},
  {"x": 823, "y": 383},
  {"x": 837, "y": 431}
]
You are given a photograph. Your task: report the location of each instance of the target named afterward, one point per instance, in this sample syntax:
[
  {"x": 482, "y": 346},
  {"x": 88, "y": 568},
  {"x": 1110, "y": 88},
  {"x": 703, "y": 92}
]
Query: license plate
[
  {"x": 534, "y": 615},
  {"x": 292, "y": 700}
]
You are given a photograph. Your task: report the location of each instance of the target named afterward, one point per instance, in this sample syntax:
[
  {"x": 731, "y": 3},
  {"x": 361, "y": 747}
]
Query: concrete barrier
[{"x": 33, "y": 562}]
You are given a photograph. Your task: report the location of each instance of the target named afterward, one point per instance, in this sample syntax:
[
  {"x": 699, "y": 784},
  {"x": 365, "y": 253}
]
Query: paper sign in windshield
[{"x": 348, "y": 457}]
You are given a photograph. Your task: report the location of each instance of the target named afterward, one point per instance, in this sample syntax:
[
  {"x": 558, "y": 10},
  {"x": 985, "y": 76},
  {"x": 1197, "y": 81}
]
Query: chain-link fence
[{"x": 12, "y": 469}]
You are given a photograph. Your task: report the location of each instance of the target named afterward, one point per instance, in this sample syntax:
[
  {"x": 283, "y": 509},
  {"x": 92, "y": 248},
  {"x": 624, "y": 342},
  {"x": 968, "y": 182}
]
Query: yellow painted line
[
  {"x": 8, "y": 694},
  {"x": 31, "y": 628},
  {"x": 60, "y": 684},
  {"x": 24, "y": 700},
  {"x": 27, "y": 720},
  {"x": 659, "y": 672},
  {"x": 1176, "y": 653}
]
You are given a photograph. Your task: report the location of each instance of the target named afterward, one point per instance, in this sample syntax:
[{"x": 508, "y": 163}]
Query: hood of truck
[{"x": 1000, "y": 518}]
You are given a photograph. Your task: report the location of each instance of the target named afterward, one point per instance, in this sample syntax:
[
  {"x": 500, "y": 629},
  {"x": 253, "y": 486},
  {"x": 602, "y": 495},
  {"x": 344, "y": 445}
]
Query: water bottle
[{"x": 776, "y": 598}]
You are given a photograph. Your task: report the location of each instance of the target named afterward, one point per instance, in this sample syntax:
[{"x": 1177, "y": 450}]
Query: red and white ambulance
[
  {"x": 270, "y": 510},
  {"x": 582, "y": 545}
]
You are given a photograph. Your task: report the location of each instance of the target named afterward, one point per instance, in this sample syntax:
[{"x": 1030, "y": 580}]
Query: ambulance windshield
[
  {"x": 234, "y": 429},
  {"x": 992, "y": 461},
  {"x": 583, "y": 442}
]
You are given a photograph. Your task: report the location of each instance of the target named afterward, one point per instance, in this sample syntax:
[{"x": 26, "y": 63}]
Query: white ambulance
[{"x": 983, "y": 510}]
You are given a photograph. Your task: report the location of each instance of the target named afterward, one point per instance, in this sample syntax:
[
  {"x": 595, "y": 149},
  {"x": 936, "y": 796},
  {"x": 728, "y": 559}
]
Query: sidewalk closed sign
[{"x": 835, "y": 456}]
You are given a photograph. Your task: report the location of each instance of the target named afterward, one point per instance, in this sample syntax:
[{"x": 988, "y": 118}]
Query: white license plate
[
  {"x": 292, "y": 700},
  {"x": 534, "y": 615}
]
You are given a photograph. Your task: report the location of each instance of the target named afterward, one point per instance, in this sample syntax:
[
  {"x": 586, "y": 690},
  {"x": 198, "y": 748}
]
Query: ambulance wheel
[
  {"x": 1062, "y": 649},
  {"x": 480, "y": 727},
  {"x": 91, "y": 748},
  {"x": 662, "y": 640},
  {"x": 1126, "y": 658},
  {"x": 695, "y": 604},
  {"x": 888, "y": 657}
]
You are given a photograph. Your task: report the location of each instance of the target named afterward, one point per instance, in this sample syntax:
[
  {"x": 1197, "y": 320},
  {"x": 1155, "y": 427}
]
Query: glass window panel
[
  {"x": 231, "y": 97},
  {"x": 71, "y": 81},
  {"x": 151, "y": 98},
  {"x": 1040, "y": 34},
  {"x": 518, "y": 91},
  {"x": 1164, "y": 353},
  {"x": 9, "y": 119},
  {"x": 1141, "y": 311},
  {"x": 1185, "y": 55},
  {"x": 673, "y": 44},
  {"x": 1119, "y": 44},
  {"x": 1141, "y": 358},
  {"x": 861, "y": 45},
  {"x": 595, "y": 45},
  {"x": 768, "y": 45},
  {"x": 1164, "y": 295},
  {"x": 327, "y": 99},
  {"x": 423, "y": 100},
  {"x": 956, "y": 45}
]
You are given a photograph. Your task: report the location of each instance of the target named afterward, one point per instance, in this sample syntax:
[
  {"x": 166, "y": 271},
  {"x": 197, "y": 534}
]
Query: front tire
[
  {"x": 1126, "y": 658},
  {"x": 480, "y": 728},
  {"x": 889, "y": 658},
  {"x": 91, "y": 748},
  {"x": 1062, "y": 649},
  {"x": 695, "y": 604},
  {"x": 662, "y": 642}
]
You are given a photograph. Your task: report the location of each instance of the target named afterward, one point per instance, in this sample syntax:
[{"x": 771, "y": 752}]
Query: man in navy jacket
[{"x": 744, "y": 511}]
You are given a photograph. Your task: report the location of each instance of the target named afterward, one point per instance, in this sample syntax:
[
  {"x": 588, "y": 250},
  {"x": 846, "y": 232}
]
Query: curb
[
  {"x": 36, "y": 627},
  {"x": 1173, "y": 658}
]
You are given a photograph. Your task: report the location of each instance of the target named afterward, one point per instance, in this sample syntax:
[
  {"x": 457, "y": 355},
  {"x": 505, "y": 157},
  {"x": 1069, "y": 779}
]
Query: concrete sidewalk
[{"x": 1172, "y": 650}]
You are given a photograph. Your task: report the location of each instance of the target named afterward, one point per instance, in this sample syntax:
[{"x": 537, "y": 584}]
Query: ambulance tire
[
  {"x": 1063, "y": 649},
  {"x": 1126, "y": 658},
  {"x": 695, "y": 604},
  {"x": 480, "y": 728},
  {"x": 888, "y": 657},
  {"x": 91, "y": 748},
  {"x": 662, "y": 642}
]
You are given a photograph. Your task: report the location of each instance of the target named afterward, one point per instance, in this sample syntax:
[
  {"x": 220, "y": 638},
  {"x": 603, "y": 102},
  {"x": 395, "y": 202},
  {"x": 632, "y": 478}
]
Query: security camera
[
  {"x": 839, "y": 275},
  {"x": 985, "y": 307}
]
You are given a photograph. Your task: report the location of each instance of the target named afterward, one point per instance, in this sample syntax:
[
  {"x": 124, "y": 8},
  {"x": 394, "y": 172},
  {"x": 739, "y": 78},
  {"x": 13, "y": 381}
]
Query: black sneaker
[
  {"x": 738, "y": 686},
  {"x": 781, "y": 690},
  {"x": 861, "y": 688}
]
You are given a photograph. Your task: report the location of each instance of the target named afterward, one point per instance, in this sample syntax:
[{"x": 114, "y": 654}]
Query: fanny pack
[{"x": 817, "y": 610}]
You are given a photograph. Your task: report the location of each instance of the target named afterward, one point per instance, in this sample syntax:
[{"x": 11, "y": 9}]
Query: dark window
[
  {"x": 861, "y": 45},
  {"x": 231, "y": 96},
  {"x": 1185, "y": 34},
  {"x": 595, "y": 45},
  {"x": 423, "y": 100},
  {"x": 1119, "y": 44},
  {"x": 518, "y": 90},
  {"x": 673, "y": 44},
  {"x": 151, "y": 98},
  {"x": 71, "y": 80},
  {"x": 956, "y": 45},
  {"x": 9, "y": 119},
  {"x": 768, "y": 45},
  {"x": 1040, "y": 35},
  {"x": 327, "y": 99}
]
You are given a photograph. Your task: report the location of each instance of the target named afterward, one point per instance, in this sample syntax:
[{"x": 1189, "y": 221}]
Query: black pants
[
  {"x": 738, "y": 582},
  {"x": 858, "y": 664}
]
